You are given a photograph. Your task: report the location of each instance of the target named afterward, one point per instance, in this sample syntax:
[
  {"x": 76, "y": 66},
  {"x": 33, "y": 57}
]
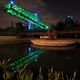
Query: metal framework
[{"x": 17, "y": 11}]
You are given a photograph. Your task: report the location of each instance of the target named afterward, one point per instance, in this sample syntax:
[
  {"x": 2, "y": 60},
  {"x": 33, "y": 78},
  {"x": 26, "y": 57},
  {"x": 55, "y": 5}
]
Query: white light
[
  {"x": 36, "y": 14},
  {"x": 36, "y": 17},
  {"x": 11, "y": 2},
  {"x": 29, "y": 51},
  {"x": 29, "y": 25}
]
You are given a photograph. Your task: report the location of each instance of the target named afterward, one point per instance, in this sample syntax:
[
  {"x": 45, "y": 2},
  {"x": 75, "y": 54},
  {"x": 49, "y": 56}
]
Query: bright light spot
[
  {"x": 46, "y": 27},
  {"x": 29, "y": 50},
  {"x": 46, "y": 37},
  {"x": 70, "y": 17},
  {"x": 36, "y": 17},
  {"x": 29, "y": 25},
  {"x": 36, "y": 14},
  {"x": 11, "y": 2}
]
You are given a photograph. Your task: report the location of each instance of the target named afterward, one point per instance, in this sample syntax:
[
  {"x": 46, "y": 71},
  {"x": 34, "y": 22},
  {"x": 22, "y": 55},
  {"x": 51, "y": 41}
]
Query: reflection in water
[
  {"x": 12, "y": 51},
  {"x": 27, "y": 59},
  {"x": 29, "y": 51},
  {"x": 67, "y": 61}
]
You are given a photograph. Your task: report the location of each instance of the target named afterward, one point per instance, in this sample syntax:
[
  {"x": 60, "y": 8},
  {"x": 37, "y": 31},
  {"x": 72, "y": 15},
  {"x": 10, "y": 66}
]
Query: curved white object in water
[
  {"x": 53, "y": 44},
  {"x": 46, "y": 42}
]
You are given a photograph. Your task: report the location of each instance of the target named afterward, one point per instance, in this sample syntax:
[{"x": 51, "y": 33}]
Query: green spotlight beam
[{"x": 25, "y": 15}]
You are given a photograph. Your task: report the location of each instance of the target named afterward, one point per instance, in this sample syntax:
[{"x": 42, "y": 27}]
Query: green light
[
  {"x": 25, "y": 15},
  {"x": 22, "y": 11},
  {"x": 8, "y": 6},
  {"x": 26, "y": 59}
]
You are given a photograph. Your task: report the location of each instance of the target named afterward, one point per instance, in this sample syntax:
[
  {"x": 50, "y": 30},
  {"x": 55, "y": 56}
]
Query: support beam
[{"x": 25, "y": 15}]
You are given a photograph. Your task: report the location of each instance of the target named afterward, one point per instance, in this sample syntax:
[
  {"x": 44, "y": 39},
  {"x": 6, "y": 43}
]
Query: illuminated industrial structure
[{"x": 32, "y": 18}]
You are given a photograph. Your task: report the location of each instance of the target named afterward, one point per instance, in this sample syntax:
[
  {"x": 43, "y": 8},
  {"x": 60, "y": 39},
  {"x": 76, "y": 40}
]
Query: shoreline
[
  {"x": 5, "y": 40},
  {"x": 9, "y": 40}
]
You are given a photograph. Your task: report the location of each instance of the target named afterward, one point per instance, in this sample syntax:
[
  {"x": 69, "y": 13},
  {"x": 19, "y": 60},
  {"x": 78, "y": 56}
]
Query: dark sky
[
  {"x": 64, "y": 7},
  {"x": 50, "y": 11}
]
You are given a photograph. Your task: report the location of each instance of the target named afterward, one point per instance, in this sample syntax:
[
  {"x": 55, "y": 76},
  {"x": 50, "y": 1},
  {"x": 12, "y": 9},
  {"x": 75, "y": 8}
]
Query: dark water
[{"x": 66, "y": 61}]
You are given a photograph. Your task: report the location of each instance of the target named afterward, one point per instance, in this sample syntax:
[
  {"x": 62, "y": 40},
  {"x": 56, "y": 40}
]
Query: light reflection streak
[{"x": 27, "y": 59}]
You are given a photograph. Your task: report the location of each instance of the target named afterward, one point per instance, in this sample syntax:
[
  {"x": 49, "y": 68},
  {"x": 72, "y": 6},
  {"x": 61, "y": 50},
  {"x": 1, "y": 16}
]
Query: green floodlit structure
[
  {"x": 24, "y": 61},
  {"x": 25, "y": 15}
]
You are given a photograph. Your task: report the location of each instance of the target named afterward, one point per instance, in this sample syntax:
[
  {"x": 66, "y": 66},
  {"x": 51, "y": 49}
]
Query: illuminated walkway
[{"x": 24, "y": 61}]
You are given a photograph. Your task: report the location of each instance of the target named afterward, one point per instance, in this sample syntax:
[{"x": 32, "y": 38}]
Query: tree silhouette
[
  {"x": 20, "y": 27},
  {"x": 60, "y": 26}
]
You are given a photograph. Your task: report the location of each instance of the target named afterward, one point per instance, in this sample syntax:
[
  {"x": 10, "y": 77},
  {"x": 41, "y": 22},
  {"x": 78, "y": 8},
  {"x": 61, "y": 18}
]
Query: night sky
[{"x": 49, "y": 11}]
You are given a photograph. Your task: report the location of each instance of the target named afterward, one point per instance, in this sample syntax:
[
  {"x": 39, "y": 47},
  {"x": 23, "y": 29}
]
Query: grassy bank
[{"x": 15, "y": 41}]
